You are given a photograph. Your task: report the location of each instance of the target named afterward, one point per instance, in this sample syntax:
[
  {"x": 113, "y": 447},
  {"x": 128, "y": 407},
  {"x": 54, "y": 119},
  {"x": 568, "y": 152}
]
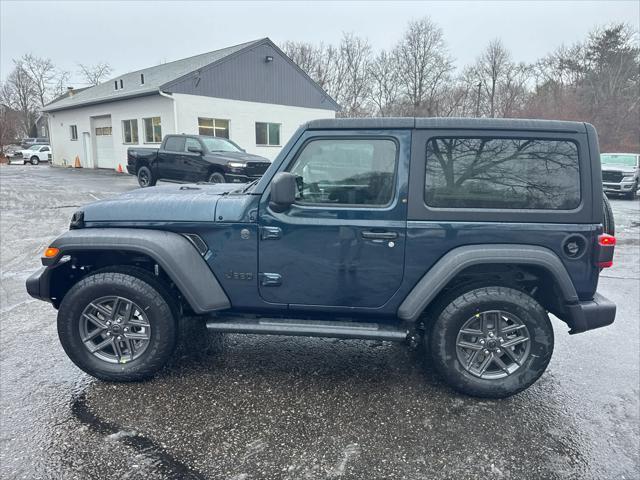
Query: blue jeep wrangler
[{"x": 464, "y": 233}]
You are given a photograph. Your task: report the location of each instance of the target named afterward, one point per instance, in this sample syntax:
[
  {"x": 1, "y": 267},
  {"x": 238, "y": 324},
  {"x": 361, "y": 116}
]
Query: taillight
[{"x": 606, "y": 244}]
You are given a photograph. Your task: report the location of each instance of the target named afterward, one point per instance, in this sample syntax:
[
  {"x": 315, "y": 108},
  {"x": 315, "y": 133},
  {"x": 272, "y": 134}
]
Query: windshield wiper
[{"x": 251, "y": 184}]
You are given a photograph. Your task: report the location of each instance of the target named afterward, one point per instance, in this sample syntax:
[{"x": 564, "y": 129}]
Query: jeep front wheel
[
  {"x": 492, "y": 342},
  {"x": 117, "y": 327}
]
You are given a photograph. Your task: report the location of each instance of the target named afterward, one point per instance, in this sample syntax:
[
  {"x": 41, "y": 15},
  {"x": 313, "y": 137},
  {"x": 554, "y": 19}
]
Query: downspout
[{"x": 175, "y": 109}]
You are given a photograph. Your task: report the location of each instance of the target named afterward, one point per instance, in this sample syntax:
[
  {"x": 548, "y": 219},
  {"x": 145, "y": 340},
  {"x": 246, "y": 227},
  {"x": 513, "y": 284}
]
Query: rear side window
[
  {"x": 174, "y": 144},
  {"x": 506, "y": 173}
]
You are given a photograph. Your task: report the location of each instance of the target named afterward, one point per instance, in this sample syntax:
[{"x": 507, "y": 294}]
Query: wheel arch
[
  {"x": 179, "y": 262},
  {"x": 498, "y": 264}
]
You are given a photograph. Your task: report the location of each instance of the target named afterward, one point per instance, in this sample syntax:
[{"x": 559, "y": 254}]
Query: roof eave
[{"x": 54, "y": 108}]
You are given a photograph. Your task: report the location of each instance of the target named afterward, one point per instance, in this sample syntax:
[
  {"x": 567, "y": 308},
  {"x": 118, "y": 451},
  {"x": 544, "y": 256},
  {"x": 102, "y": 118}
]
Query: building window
[
  {"x": 130, "y": 131},
  {"x": 152, "y": 130},
  {"x": 214, "y": 127},
  {"x": 74, "y": 132},
  {"x": 103, "y": 131},
  {"x": 268, "y": 134},
  {"x": 142, "y": 79},
  {"x": 121, "y": 85},
  {"x": 504, "y": 173},
  {"x": 115, "y": 84}
]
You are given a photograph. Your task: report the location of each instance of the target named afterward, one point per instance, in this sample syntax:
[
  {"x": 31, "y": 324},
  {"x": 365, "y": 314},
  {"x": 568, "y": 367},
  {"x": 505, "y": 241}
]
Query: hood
[
  {"x": 239, "y": 157},
  {"x": 618, "y": 168},
  {"x": 166, "y": 203}
]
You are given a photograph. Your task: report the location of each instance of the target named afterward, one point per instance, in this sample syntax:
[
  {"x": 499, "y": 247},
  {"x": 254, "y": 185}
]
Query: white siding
[
  {"x": 65, "y": 150},
  {"x": 242, "y": 118}
]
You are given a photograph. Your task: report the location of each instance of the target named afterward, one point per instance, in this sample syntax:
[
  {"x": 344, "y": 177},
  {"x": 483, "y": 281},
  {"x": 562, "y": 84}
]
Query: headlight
[
  {"x": 627, "y": 178},
  {"x": 235, "y": 164}
]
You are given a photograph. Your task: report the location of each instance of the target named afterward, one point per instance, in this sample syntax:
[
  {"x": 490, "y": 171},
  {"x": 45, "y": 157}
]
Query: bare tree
[
  {"x": 95, "y": 74},
  {"x": 317, "y": 61},
  {"x": 385, "y": 85},
  {"x": 353, "y": 70},
  {"x": 8, "y": 125},
  {"x": 423, "y": 64},
  {"x": 19, "y": 93},
  {"x": 42, "y": 73}
]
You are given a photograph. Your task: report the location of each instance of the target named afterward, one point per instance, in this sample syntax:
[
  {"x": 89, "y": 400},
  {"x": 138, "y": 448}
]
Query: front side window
[
  {"x": 74, "y": 132},
  {"x": 191, "y": 143},
  {"x": 267, "y": 134},
  {"x": 174, "y": 144},
  {"x": 213, "y": 127},
  {"x": 505, "y": 173},
  {"x": 130, "y": 131},
  {"x": 220, "y": 145},
  {"x": 152, "y": 130},
  {"x": 346, "y": 172}
]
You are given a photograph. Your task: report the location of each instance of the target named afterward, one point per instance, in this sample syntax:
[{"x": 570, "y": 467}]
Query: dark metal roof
[
  {"x": 448, "y": 123},
  {"x": 212, "y": 74}
]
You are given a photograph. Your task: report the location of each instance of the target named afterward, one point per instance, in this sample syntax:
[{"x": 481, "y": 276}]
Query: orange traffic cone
[
  {"x": 77, "y": 164},
  {"x": 120, "y": 168}
]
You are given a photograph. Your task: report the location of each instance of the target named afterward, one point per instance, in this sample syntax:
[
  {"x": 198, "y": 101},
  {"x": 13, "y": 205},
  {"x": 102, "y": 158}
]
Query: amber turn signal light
[{"x": 51, "y": 252}]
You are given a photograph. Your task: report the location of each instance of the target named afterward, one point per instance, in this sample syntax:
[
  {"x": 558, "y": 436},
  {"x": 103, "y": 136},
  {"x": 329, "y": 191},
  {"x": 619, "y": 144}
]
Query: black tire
[
  {"x": 217, "y": 177},
  {"x": 34, "y": 160},
  {"x": 145, "y": 177},
  {"x": 608, "y": 221},
  {"x": 153, "y": 300},
  {"x": 445, "y": 331}
]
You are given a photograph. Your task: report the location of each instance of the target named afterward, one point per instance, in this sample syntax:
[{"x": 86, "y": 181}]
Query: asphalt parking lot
[{"x": 251, "y": 407}]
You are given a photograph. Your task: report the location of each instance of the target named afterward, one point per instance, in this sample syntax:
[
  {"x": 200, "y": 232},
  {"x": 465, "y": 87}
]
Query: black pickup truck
[{"x": 195, "y": 158}]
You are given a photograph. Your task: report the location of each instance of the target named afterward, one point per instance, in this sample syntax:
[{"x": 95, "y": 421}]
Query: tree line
[{"x": 595, "y": 80}]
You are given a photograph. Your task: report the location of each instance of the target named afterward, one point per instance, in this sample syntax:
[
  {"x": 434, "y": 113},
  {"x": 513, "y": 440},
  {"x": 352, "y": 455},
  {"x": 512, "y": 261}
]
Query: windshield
[
  {"x": 618, "y": 159},
  {"x": 220, "y": 145}
]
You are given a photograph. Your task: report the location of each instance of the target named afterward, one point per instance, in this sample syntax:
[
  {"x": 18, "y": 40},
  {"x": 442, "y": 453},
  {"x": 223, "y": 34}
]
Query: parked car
[
  {"x": 620, "y": 173},
  {"x": 462, "y": 233},
  {"x": 34, "y": 155},
  {"x": 28, "y": 142},
  {"x": 194, "y": 158}
]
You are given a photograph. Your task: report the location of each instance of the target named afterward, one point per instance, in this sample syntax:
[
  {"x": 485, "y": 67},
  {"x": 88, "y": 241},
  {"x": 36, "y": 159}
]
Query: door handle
[{"x": 379, "y": 235}]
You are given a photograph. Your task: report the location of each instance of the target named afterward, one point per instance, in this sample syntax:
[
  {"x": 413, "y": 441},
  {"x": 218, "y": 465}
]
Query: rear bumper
[
  {"x": 592, "y": 314},
  {"x": 38, "y": 284},
  {"x": 131, "y": 170}
]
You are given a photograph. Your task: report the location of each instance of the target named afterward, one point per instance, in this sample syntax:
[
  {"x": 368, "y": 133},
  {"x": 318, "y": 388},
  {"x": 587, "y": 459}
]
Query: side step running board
[{"x": 311, "y": 328}]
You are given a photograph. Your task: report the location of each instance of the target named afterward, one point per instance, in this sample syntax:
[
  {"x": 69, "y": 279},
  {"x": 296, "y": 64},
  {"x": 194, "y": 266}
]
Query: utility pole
[{"x": 478, "y": 100}]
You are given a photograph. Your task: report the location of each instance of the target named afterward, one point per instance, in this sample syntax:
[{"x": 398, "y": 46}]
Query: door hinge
[
  {"x": 270, "y": 279},
  {"x": 271, "y": 233}
]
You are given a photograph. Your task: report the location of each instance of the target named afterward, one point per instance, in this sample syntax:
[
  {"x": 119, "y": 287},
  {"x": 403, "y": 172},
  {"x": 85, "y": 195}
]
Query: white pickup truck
[{"x": 34, "y": 155}]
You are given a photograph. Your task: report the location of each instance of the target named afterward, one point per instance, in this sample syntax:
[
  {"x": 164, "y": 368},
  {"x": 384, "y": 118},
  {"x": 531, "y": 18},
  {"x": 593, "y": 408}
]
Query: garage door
[{"x": 104, "y": 142}]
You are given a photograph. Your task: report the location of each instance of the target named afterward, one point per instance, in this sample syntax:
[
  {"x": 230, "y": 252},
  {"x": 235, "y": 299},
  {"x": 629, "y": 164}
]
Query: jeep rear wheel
[
  {"x": 492, "y": 342},
  {"x": 117, "y": 327}
]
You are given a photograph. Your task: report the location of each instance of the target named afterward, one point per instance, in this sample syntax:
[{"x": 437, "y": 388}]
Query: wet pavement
[{"x": 250, "y": 407}]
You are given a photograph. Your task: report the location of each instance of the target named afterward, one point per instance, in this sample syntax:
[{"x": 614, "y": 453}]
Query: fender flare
[
  {"x": 460, "y": 258},
  {"x": 177, "y": 256}
]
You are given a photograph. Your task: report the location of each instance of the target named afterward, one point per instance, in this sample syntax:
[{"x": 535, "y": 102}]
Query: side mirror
[
  {"x": 283, "y": 191},
  {"x": 195, "y": 150}
]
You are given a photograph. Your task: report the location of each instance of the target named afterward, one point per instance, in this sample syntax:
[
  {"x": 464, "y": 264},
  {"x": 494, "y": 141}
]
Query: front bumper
[
  {"x": 38, "y": 284},
  {"x": 592, "y": 314},
  {"x": 618, "y": 187},
  {"x": 235, "y": 178}
]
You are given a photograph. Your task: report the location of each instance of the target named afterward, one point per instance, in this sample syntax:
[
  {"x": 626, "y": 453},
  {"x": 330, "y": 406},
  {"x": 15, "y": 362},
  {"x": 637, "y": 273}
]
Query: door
[
  {"x": 195, "y": 166},
  {"x": 341, "y": 244},
  {"x": 170, "y": 163},
  {"x": 104, "y": 142}
]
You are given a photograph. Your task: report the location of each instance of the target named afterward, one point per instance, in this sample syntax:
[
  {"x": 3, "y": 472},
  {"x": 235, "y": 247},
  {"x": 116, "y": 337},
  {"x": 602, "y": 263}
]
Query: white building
[{"x": 251, "y": 93}]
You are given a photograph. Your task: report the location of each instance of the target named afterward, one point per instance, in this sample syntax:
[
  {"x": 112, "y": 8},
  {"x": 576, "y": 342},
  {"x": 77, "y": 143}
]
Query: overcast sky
[{"x": 139, "y": 34}]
